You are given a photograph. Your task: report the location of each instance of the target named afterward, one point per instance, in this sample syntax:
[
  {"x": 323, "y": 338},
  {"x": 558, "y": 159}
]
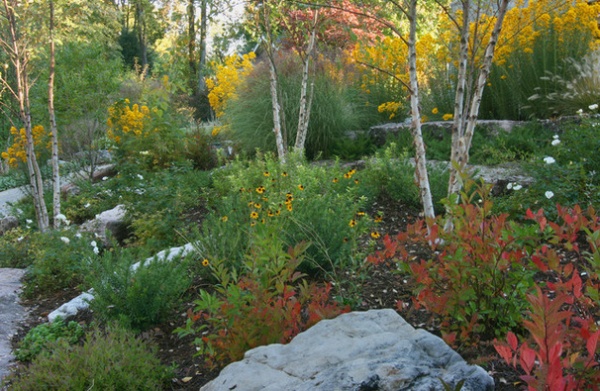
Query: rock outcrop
[
  {"x": 373, "y": 350},
  {"x": 112, "y": 221}
]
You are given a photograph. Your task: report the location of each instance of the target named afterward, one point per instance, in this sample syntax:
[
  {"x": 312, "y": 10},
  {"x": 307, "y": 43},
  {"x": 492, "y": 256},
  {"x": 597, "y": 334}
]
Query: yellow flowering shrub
[
  {"x": 228, "y": 76},
  {"x": 17, "y": 152},
  {"x": 124, "y": 119}
]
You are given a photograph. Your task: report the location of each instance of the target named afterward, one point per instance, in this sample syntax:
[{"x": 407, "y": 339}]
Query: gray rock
[
  {"x": 11, "y": 313},
  {"x": 8, "y": 223},
  {"x": 373, "y": 350},
  {"x": 112, "y": 221}
]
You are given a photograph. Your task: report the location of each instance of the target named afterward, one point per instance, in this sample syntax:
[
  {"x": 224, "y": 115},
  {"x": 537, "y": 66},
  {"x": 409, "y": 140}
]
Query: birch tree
[
  {"x": 266, "y": 21},
  {"x": 306, "y": 95},
  {"x": 468, "y": 100},
  {"x": 16, "y": 48},
  {"x": 53, "y": 129}
]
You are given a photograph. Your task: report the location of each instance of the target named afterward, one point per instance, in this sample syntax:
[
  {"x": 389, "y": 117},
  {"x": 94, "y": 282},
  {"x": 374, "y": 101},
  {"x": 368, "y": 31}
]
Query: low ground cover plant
[
  {"x": 38, "y": 339},
  {"x": 110, "y": 359}
]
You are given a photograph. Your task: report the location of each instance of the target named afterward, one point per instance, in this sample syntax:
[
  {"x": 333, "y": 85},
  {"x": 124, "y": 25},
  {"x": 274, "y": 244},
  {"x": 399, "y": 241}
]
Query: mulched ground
[{"x": 377, "y": 287}]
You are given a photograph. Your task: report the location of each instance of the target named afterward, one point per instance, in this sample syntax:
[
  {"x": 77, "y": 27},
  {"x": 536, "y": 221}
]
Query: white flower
[
  {"x": 78, "y": 235},
  {"x": 580, "y": 111},
  {"x": 62, "y": 218},
  {"x": 65, "y": 239},
  {"x": 594, "y": 106},
  {"x": 555, "y": 142},
  {"x": 555, "y": 136},
  {"x": 94, "y": 244},
  {"x": 20, "y": 238},
  {"x": 28, "y": 221},
  {"x": 517, "y": 187},
  {"x": 549, "y": 160},
  {"x": 87, "y": 205},
  {"x": 96, "y": 251},
  {"x": 140, "y": 177},
  {"x": 549, "y": 194},
  {"x": 104, "y": 178},
  {"x": 509, "y": 186}
]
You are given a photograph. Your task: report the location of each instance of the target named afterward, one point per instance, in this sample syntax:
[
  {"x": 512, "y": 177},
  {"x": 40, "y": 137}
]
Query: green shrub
[
  {"x": 389, "y": 173},
  {"x": 14, "y": 248},
  {"x": 59, "y": 261},
  {"x": 38, "y": 338},
  {"x": 138, "y": 298},
  {"x": 108, "y": 360},
  {"x": 302, "y": 202}
]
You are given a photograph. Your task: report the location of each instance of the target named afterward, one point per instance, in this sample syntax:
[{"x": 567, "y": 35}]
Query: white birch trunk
[
  {"x": 467, "y": 136},
  {"x": 53, "y": 128},
  {"x": 19, "y": 58},
  {"x": 281, "y": 150},
  {"x": 420, "y": 159},
  {"x": 305, "y": 103}
]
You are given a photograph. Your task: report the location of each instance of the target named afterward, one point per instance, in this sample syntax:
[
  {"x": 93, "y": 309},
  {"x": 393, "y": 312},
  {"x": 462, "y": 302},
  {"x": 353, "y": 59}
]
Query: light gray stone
[
  {"x": 11, "y": 313},
  {"x": 373, "y": 350},
  {"x": 108, "y": 221}
]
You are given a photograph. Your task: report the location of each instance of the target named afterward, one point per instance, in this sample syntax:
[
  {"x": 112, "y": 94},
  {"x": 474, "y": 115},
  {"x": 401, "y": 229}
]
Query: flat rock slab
[
  {"x": 373, "y": 350},
  {"x": 11, "y": 313}
]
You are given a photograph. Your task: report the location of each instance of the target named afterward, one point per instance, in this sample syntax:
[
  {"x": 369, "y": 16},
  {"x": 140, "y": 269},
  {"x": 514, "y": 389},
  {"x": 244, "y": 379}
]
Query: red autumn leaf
[
  {"x": 527, "y": 358},
  {"x": 504, "y": 351},
  {"x": 592, "y": 343},
  {"x": 511, "y": 338}
]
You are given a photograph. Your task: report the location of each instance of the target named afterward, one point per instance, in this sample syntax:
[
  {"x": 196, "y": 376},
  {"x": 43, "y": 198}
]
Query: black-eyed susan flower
[
  {"x": 347, "y": 176},
  {"x": 300, "y": 187},
  {"x": 260, "y": 189},
  {"x": 346, "y": 240},
  {"x": 356, "y": 181},
  {"x": 290, "y": 207},
  {"x": 270, "y": 213},
  {"x": 360, "y": 213},
  {"x": 266, "y": 173},
  {"x": 257, "y": 205},
  {"x": 375, "y": 235},
  {"x": 277, "y": 212},
  {"x": 252, "y": 223},
  {"x": 378, "y": 219},
  {"x": 352, "y": 223},
  {"x": 250, "y": 204},
  {"x": 254, "y": 215},
  {"x": 242, "y": 190},
  {"x": 284, "y": 174},
  {"x": 335, "y": 180},
  {"x": 224, "y": 219},
  {"x": 205, "y": 262}
]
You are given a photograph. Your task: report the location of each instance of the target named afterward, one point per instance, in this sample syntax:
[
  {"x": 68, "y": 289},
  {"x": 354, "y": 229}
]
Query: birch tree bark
[
  {"x": 305, "y": 97},
  {"x": 17, "y": 52},
  {"x": 53, "y": 128},
  {"x": 273, "y": 80},
  {"x": 421, "y": 173}
]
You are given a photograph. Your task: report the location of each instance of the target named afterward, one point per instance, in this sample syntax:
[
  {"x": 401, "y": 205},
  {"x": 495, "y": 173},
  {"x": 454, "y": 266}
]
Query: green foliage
[
  {"x": 353, "y": 148},
  {"x": 264, "y": 301},
  {"x": 302, "y": 202},
  {"x": 199, "y": 150},
  {"x": 12, "y": 179},
  {"x": 565, "y": 172},
  {"x": 390, "y": 174},
  {"x": 59, "y": 261},
  {"x": 137, "y": 297},
  {"x": 37, "y": 339},
  {"x": 336, "y": 108},
  {"x": 14, "y": 248},
  {"x": 113, "y": 359}
]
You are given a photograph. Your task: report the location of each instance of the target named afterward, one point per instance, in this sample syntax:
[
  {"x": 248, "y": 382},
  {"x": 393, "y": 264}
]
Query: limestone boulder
[
  {"x": 112, "y": 221},
  {"x": 373, "y": 350}
]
